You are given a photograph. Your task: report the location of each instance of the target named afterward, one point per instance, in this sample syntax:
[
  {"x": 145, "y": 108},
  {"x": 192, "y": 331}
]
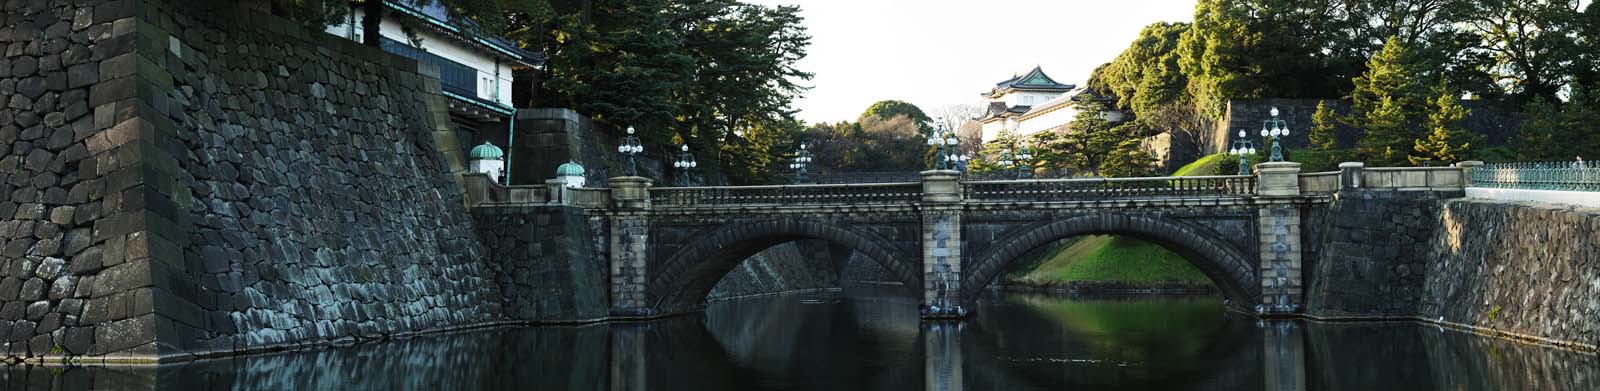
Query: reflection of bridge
[{"x": 667, "y": 247}]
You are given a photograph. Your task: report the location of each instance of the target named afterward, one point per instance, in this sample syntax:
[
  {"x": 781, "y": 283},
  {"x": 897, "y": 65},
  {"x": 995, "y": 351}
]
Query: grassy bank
[
  {"x": 1105, "y": 258},
  {"x": 1207, "y": 165},
  {"x": 1115, "y": 259}
]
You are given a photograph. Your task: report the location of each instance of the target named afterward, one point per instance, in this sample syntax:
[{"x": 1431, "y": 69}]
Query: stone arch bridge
[{"x": 667, "y": 247}]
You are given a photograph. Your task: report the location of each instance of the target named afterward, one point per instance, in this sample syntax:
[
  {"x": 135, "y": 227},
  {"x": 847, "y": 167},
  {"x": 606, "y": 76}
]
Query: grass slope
[
  {"x": 1204, "y": 166},
  {"x": 1106, "y": 258}
]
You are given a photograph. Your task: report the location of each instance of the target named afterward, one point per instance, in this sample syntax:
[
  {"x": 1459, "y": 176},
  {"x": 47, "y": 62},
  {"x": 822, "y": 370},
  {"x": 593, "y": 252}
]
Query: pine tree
[
  {"x": 1446, "y": 142},
  {"x": 1385, "y": 100},
  {"x": 1324, "y": 125},
  {"x": 1129, "y": 160},
  {"x": 987, "y": 160},
  {"x": 1388, "y": 137}
]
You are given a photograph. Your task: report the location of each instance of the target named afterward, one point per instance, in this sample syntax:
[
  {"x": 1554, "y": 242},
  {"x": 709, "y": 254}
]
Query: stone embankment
[
  {"x": 1520, "y": 270},
  {"x": 190, "y": 178}
]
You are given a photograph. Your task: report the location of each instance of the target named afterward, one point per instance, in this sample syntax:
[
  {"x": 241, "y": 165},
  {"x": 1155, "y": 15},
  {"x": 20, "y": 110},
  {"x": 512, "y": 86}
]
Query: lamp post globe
[
  {"x": 1243, "y": 147},
  {"x": 631, "y": 147},
  {"x": 1274, "y": 129},
  {"x": 802, "y": 159},
  {"x": 685, "y": 165}
]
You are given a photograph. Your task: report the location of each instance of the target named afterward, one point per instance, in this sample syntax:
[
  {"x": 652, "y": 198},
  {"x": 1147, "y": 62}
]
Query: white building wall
[
  {"x": 991, "y": 130},
  {"x": 494, "y": 75},
  {"x": 1051, "y": 120},
  {"x": 1025, "y": 98}
]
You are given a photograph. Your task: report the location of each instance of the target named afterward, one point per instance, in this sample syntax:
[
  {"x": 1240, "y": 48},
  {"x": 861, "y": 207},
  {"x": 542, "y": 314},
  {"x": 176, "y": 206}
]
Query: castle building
[
  {"x": 1032, "y": 103},
  {"x": 476, "y": 72}
]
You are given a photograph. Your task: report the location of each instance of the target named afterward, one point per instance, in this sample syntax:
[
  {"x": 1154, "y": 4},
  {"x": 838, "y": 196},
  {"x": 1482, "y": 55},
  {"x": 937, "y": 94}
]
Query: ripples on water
[{"x": 1016, "y": 342}]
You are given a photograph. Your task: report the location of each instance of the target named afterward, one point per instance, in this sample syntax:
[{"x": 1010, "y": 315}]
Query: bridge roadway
[{"x": 667, "y": 247}]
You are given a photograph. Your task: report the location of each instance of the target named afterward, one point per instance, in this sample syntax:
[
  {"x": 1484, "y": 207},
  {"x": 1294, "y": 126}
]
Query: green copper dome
[
  {"x": 486, "y": 151},
  {"x": 569, "y": 168}
]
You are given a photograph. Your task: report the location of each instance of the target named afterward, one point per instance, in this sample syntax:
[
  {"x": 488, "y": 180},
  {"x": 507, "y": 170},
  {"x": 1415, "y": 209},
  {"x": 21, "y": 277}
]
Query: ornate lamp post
[
  {"x": 961, "y": 161},
  {"x": 1024, "y": 170},
  {"x": 685, "y": 165},
  {"x": 1242, "y": 147},
  {"x": 630, "y": 147},
  {"x": 802, "y": 158},
  {"x": 1006, "y": 158},
  {"x": 945, "y": 142},
  {"x": 1275, "y": 128}
]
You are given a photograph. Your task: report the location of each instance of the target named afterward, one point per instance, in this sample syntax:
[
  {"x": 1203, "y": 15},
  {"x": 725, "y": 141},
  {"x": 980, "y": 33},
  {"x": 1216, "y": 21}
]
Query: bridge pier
[
  {"x": 1278, "y": 229},
  {"x": 629, "y": 241},
  {"x": 941, "y": 245}
]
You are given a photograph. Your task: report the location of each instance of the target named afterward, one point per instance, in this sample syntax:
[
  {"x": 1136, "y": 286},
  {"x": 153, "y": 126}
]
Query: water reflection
[{"x": 835, "y": 343}]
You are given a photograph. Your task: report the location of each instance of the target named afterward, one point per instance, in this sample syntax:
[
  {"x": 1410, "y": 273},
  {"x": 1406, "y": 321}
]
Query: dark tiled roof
[{"x": 436, "y": 14}]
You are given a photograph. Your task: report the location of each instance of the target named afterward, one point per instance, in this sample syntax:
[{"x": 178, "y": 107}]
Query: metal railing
[
  {"x": 1109, "y": 188},
  {"x": 864, "y": 193},
  {"x": 1568, "y": 176}
]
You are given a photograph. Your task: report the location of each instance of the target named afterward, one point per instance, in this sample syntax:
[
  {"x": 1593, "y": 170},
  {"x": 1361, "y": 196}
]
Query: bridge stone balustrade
[{"x": 948, "y": 239}]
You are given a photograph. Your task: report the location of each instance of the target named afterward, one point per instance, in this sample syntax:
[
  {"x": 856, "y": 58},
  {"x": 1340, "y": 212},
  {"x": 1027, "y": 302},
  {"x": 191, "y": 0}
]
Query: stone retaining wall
[
  {"x": 1532, "y": 270},
  {"x": 1523, "y": 270},
  {"x": 73, "y": 249},
  {"x": 1374, "y": 248},
  {"x": 192, "y": 178},
  {"x": 547, "y": 262}
]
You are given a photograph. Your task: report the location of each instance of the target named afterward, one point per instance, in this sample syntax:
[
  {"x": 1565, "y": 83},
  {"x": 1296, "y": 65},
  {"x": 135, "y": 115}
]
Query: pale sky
[{"x": 934, "y": 53}]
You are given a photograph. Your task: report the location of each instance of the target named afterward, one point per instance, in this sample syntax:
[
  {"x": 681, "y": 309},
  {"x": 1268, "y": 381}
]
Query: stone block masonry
[
  {"x": 189, "y": 178},
  {"x": 1375, "y": 254},
  {"x": 545, "y": 260},
  {"x": 1523, "y": 269}
]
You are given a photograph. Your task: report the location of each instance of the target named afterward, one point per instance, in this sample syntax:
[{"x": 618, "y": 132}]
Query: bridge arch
[
  {"x": 1226, "y": 266},
  {"x": 688, "y": 275}
]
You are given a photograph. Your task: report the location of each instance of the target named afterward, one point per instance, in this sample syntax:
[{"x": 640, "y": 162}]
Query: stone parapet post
[
  {"x": 1278, "y": 179},
  {"x": 1466, "y": 171},
  {"x": 630, "y": 192},
  {"x": 941, "y": 186},
  {"x": 557, "y": 190},
  {"x": 476, "y": 187},
  {"x": 1350, "y": 175}
]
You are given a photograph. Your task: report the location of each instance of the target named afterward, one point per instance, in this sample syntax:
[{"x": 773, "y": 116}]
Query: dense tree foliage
[
  {"x": 873, "y": 144},
  {"x": 1094, "y": 144},
  {"x": 1560, "y": 131},
  {"x": 717, "y": 71},
  {"x": 896, "y": 108},
  {"x": 1381, "y": 55}
]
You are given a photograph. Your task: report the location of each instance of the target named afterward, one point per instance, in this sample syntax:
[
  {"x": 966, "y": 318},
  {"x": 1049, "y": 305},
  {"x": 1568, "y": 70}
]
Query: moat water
[{"x": 840, "y": 342}]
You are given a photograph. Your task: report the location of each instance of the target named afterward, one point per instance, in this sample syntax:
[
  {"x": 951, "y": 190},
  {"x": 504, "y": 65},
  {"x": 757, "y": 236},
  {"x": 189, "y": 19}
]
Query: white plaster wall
[
  {"x": 1026, "y": 98},
  {"x": 1579, "y": 198},
  {"x": 991, "y": 130},
  {"x": 494, "y": 75},
  {"x": 1051, "y": 120}
]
